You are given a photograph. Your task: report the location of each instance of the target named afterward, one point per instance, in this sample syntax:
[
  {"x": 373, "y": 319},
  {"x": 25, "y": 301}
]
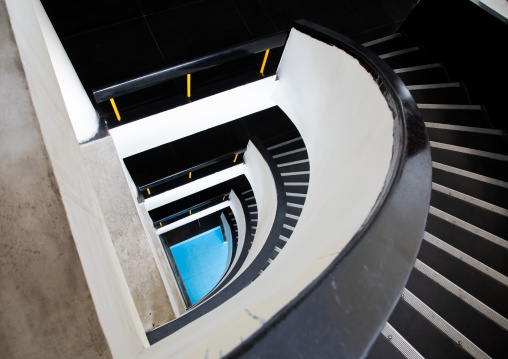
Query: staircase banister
[
  {"x": 120, "y": 88},
  {"x": 347, "y": 305}
]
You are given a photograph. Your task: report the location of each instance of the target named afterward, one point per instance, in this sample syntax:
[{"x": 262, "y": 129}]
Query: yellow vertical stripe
[
  {"x": 115, "y": 109},
  {"x": 190, "y": 174},
  {"x": 235, "y": 158},
  {"x": 188, "y": 85},
  {"x": 148, "y": 190},
  {"x": 264, "y": 62}
]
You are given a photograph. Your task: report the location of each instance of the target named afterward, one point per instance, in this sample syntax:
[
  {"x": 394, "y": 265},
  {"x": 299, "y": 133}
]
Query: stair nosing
[
  {"x": 469, "y": 151},
  {"x": 400, "y": 343},
  {"x": 466, "y": 258},
  {"x": 469, "y": 227},
  {"x": 462, "y": 294},
  {"x": 445, "y": 327},
  {"x": 469, "y": 174},
  {"x": 470, "y": 199},
  {"x": 381, "y": 40},
  {"x": 482, "y": 130}
]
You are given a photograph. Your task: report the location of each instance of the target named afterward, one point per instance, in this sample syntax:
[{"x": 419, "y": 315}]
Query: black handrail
[
  {"x": 105, "y": 93},
  {"x": 193, "y": 208},
  {"x": 191, "y": 169},
  {"x": 341, "y": 313}
]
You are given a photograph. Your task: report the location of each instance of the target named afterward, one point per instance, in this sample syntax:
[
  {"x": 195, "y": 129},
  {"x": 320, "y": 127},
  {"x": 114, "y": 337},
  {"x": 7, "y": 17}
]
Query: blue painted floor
[{"x": 201, "y": 261}]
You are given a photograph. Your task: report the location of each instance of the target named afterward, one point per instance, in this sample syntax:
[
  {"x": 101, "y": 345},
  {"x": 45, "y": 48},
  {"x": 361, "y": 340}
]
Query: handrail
[
  {"x": 348, "y": 304},
  {"x": 199, "y": 205},
  {"x": 250, "y": 273},
  {"x": 105, "y": 93},
  {"x": 191, "y": 169}
]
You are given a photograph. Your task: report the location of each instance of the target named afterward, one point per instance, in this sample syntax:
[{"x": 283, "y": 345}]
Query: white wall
[
  {"x": 348, "y": 130},
  {"x": 82, "y": 114},
  {"x": 263, "y": 186},
  {"x": 168, "y": 126}
]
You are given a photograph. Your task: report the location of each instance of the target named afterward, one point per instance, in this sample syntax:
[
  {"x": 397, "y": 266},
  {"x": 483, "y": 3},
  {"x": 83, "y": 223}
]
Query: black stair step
[
  {"x": 488, "y": 167},
  {"x": 389, "y": 44},
  {"x": 487, "y": 192},
  {"x": 471, "y": 118},
  {"x": 294, "y": 199},
  {"x": 479, "y": 141},
  {"x": 383, "y": 349},
  {"x": 429, "y": 341},
  {"x": 286, "y": 232},
  {"x": 290, "y": 187},
  {"x": 426, "y": 74},
  {"x": 290, "y": 221},
  {"x": 297, "y": 167},
  {"x": 481, "y": 286},
  {"x": 295, "y": 177},
  {"x": 454, "y": 93},
  {"x": 487, "y": 220},
  {"x": 284, "y": 147},
  {"x": 291, "y": 156},
  {"x": 493, "y": 339},
  {"x": 293, "y": 211},
  {"x": 406, "y": 59},
  {"x": 486, "y": 252}
]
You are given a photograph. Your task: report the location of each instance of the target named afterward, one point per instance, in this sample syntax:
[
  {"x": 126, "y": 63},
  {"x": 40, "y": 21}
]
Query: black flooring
[{"x": 113, "y": 40}]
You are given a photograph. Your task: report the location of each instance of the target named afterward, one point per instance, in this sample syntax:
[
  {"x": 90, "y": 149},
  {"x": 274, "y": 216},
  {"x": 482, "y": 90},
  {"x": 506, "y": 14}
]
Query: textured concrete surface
[
  {"x": 127, "y": 233},
  {"x": 46, "y": 310}
]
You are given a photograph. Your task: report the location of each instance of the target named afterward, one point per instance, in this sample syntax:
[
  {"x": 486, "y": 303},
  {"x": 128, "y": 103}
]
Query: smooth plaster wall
[
  {"x": 345, "y": 121},
  {"x": 46, "y": 309},
  {"x": 126, "y": 231},
  {"x": 168, "y": 126},
  {"x": 82, "y": 114}
]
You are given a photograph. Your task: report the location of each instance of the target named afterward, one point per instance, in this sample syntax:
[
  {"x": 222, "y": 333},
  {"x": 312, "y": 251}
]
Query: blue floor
[{"x": 201, "y": 261}]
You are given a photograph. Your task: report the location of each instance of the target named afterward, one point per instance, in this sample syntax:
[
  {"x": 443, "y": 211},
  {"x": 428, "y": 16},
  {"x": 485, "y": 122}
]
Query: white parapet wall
[
  {"x": 84, "y": 119},
  {"x": 347, "y": 127}
]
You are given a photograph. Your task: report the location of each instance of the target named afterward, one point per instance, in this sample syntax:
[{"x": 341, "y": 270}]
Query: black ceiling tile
[
  {"x": 153, "y": 6},
  {"x": 115, "y": 53},
  {"x": 197, "y": 29},
  {"x": 77, "y": 16},
  {"x": 255, "y": 17}
]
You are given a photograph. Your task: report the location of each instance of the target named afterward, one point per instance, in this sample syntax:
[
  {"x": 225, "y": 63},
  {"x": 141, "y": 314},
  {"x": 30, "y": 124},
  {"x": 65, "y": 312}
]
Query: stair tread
[
  {"x": 469, "y": 243},
  {"x": 488, "y": 192},
  {"x": 484, "y": 288},
  {"x": 383, "y": 349},
  {"x": 473, "y": 118},
  {"x": 479, "y": 141},
  {"x": 480, "y": 165},
  {"x": 480, "y": 217},
  {"x": 429, "y": 341},
  {"x": 459, "y": 314},
  {"x": 443, "y": 95},
  {"x": 430, "y": 74}
]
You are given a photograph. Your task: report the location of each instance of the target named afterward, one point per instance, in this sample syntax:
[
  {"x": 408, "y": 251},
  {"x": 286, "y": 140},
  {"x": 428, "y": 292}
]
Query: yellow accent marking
[
  {"x": 223, "y": 198},
  {"x": 188, "y": 85},
  {"x": 160, "y": 223},
  {"x": 115, "y": 109},
  {"x": 190, "y": 174},
  {"x": 264, "y": 62},
  {"x": 148, "y": 189},
  {"x": 190, "y": 212},
  {"x": 235, "y": 158}
]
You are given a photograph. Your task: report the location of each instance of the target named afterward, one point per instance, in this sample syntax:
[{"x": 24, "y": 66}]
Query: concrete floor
[
  {"x": 127, "y": 233},
  {"x": 46, "y": 309}
]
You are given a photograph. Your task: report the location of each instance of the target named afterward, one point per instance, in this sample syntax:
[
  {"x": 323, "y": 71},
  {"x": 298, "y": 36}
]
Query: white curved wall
[{"x": 263, "y": 186}]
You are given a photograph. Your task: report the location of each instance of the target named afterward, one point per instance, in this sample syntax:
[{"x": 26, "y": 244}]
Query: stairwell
[{"x": 455, "y": 304}]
